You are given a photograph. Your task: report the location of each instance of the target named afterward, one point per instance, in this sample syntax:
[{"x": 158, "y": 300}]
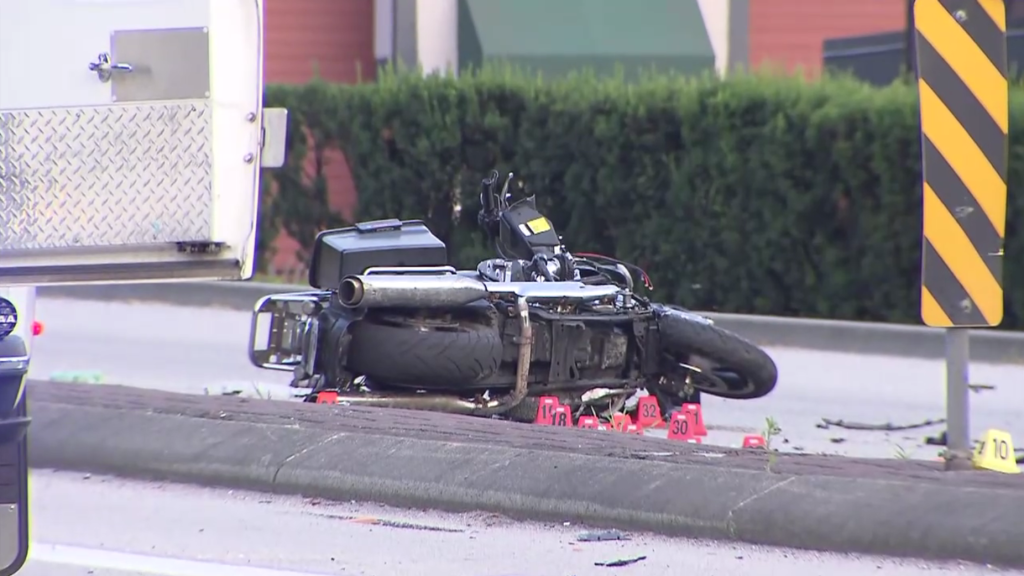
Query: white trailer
[{"x": 132, "y": 133}]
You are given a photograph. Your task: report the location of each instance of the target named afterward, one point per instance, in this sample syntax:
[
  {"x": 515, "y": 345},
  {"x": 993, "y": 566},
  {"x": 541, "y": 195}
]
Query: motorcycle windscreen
[{"x": 13, "y": 503}]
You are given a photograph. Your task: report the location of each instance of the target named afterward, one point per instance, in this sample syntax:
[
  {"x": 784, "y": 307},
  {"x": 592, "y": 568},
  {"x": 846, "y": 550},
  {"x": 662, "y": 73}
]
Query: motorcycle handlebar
[{"x": 487, "y": 193}]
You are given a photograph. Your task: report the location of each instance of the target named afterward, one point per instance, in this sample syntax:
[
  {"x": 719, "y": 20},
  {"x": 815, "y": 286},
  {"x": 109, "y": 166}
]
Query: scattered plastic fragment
[
  {"x": 614, "y": 408},
  {"x": 602, "y": 536},
  {"x": 595, "y": 394},
  {"x": 621, "y": 563},
  {"x": 632, "y": 402}
]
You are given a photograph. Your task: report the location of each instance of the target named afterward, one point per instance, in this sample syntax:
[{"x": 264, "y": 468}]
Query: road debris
[
  {"x": 937, "y": 440},
  {"x": 595, "y": 395},
  {"x": 374, "y": 521},
  {"x": 621, "y": 563},
  {"x": 643, "y": 455},
  {"x": 602, "y": 536},
  {"x": 78, "y": 376},
  {"x": 827, "y": 423},
  {"x": 414, "y": 526}
]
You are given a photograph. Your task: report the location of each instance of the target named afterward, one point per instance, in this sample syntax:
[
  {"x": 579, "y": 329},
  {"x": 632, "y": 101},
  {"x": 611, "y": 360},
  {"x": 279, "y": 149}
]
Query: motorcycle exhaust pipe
[
  {"x": 451, "y": 291},
  {"x": 409, "y": 291}
]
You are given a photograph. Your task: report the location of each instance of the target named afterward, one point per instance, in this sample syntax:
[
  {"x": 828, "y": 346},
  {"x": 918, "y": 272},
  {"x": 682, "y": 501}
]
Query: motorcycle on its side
[{"x": 390, "y": 323}]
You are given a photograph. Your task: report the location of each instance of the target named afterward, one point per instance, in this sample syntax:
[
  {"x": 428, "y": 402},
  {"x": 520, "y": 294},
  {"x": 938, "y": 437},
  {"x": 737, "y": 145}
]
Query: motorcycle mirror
[
  {"x": 487, "y": 191},
  {"x": 504, "y": 189},
  {"x": 491, "y": 179}
]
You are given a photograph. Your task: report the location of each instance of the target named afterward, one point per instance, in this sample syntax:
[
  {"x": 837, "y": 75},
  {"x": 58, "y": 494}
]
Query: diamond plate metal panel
[{"x": 106, "y": 176}]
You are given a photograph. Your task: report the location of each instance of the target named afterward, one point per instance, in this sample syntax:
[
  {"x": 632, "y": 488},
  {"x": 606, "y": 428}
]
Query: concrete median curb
[
  {"x": 826, "y": 335},
  {"x": 569, "y": 475}
]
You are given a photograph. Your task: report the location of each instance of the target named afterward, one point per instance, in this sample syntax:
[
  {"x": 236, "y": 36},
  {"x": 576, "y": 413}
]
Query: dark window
[{"x": 1015, "y": 13}]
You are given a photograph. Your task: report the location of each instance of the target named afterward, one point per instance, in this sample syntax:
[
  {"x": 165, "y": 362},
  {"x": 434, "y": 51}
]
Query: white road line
[{"x": 162, "y": 566}]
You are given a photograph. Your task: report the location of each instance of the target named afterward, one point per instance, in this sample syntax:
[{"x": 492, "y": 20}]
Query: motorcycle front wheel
[{"x": 717, "y": 361}]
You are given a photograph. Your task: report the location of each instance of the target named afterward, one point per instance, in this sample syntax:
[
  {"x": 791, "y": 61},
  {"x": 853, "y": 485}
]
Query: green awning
[{"x": 555, "y": 37}]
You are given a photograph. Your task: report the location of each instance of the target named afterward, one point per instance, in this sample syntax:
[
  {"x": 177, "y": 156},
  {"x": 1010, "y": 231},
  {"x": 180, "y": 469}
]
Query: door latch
[{"x": 104, "y": 69}]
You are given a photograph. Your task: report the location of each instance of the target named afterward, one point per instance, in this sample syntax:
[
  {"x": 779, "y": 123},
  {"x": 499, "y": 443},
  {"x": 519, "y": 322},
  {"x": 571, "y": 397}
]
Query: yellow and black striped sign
[{"x": 961, "y": 59}]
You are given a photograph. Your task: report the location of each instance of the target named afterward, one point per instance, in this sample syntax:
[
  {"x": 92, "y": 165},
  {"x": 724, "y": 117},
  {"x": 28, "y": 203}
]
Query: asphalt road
[
  {"x": 111, "y": 527},
  {"x": 204, "y": 351}
]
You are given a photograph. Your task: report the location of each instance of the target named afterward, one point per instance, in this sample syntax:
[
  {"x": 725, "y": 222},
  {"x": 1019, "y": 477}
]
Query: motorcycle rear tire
[
  {"x": 682, "y": 335},
  {"x": 424, "y": 359}
]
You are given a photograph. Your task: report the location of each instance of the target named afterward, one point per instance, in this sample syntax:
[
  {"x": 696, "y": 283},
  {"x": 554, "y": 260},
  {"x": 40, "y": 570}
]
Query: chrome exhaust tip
[{"x": 350, "y": 292}]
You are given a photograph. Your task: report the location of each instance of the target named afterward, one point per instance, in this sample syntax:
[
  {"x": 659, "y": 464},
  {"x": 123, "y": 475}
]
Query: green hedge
[{"x": 760, "y": 195}]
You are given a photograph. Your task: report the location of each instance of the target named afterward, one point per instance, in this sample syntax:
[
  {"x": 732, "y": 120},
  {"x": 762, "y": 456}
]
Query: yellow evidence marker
[{"x": 995, "y": 453}]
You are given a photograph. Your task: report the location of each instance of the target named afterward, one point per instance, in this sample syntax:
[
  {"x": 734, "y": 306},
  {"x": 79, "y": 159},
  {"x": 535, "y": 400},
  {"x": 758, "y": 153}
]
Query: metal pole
[
  {"x": 958, "y": 424},
  {"x": 910, "y": 43}
]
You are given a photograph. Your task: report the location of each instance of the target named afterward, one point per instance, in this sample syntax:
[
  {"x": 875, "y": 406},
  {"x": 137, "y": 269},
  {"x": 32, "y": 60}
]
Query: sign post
[{"x": 964, "y": 99}]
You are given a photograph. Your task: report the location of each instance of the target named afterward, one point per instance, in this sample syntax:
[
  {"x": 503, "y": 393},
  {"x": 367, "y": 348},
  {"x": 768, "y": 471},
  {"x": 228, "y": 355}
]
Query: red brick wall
[
  {"x": 790, "y": 33},
  {"x": 329, "y": 38}
]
